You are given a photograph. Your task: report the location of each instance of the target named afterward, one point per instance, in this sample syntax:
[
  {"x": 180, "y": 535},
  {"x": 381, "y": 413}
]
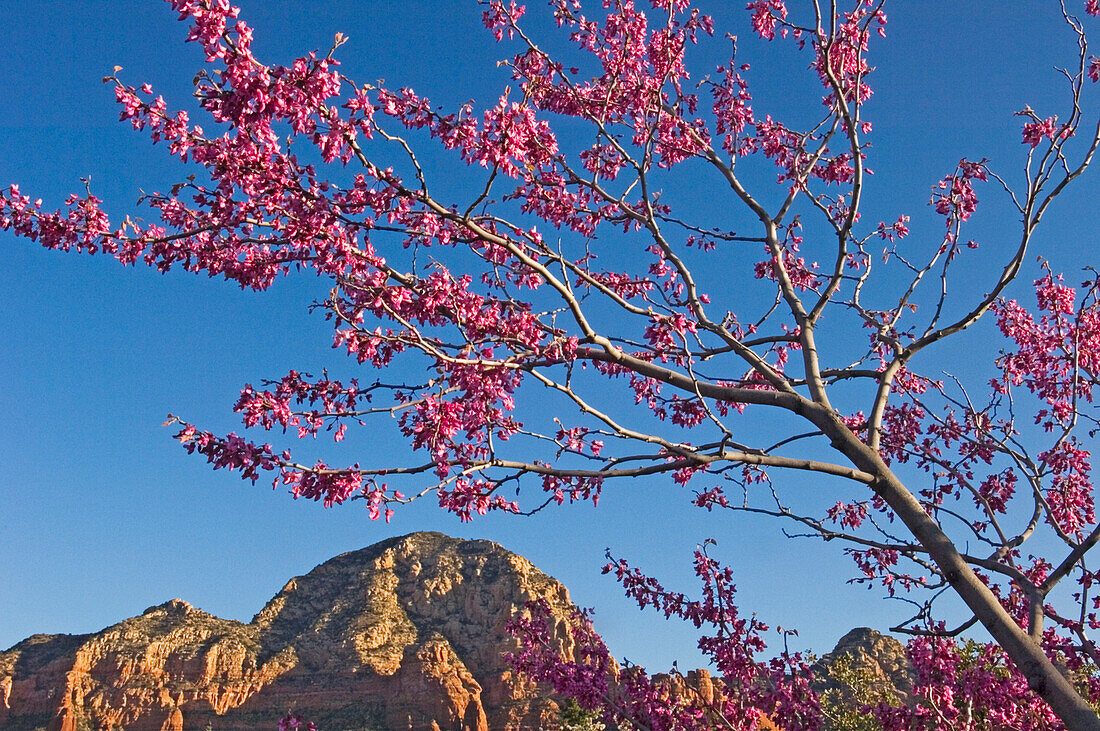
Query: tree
[{"x": 521, "y": 288}]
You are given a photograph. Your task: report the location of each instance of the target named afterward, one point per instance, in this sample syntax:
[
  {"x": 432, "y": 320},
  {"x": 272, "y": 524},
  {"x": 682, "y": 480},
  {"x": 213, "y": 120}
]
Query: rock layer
[{"x": 406, "y": 634}]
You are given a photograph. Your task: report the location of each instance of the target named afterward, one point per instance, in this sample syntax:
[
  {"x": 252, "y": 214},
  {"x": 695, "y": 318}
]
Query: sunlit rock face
[
  {"x": 406, "y": 634},
  {"x": 879, "y": 658}
]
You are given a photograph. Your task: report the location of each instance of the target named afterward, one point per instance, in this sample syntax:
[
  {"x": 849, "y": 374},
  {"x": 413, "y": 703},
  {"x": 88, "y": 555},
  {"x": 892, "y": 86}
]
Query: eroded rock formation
[
  {"x": 879, "y": 661},
  {"x": 405, "y": 634}
]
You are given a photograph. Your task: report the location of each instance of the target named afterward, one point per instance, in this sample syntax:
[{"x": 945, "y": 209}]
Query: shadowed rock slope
[{"x": 405, "y": 634}]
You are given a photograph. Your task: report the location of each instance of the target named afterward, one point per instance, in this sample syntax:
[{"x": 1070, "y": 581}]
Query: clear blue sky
[{"x": 103, "y": 514}]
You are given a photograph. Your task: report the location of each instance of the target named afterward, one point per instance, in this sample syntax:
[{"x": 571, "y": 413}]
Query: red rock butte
[{"x": 406, "y": 634}]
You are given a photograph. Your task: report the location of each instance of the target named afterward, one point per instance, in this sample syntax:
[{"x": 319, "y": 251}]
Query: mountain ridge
[{"x": 405, "y": 633}]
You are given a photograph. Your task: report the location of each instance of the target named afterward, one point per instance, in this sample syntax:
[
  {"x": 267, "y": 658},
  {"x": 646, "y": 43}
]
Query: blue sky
[{"x": 104, "y": 515}]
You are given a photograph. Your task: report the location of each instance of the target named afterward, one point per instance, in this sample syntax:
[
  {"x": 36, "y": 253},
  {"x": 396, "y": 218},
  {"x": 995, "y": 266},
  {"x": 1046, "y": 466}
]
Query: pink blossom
[
  {"x": 765, "y": 15},
  {"x": 1034, "y": 132}
]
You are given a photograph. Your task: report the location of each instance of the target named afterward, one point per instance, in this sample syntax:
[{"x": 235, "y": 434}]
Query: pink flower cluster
[
  {"x": 954, "y": 196},
  {"x": 293, "y": 721},
  {"x": 1035, "y": 132},
  {"x": 967, "y": 686},
  {"x": 1057, "y": 356},
  {"x": 964, "y": 685},
  {"x": 749, "y": 689}
]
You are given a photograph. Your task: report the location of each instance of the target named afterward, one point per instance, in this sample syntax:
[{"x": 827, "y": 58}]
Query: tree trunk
[{"x": 1042, "y": 676}]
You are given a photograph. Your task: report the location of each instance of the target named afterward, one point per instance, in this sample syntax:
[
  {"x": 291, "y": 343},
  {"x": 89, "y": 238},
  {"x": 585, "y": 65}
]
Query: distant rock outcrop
[
  {"x": 406, "y": 634},
  {"x": 875, "y": 663}
]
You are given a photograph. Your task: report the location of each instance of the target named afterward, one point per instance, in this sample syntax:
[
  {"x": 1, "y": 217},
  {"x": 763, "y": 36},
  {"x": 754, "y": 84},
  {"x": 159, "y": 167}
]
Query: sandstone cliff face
[
  {"x": 879, "y": 659},
  {"x": 405, "y": 634}
]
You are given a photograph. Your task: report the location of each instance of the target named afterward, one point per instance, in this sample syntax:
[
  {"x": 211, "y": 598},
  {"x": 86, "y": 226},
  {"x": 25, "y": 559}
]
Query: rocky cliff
[
  {"x": 405, "y": 634},
  {"x": 865, "y": 668}
]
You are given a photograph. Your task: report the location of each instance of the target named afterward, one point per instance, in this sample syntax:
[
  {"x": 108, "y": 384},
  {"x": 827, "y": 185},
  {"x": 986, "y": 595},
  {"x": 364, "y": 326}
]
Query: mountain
[
  {"x": 879, "y": 659},
  {"x": 405, "y": 634}
]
